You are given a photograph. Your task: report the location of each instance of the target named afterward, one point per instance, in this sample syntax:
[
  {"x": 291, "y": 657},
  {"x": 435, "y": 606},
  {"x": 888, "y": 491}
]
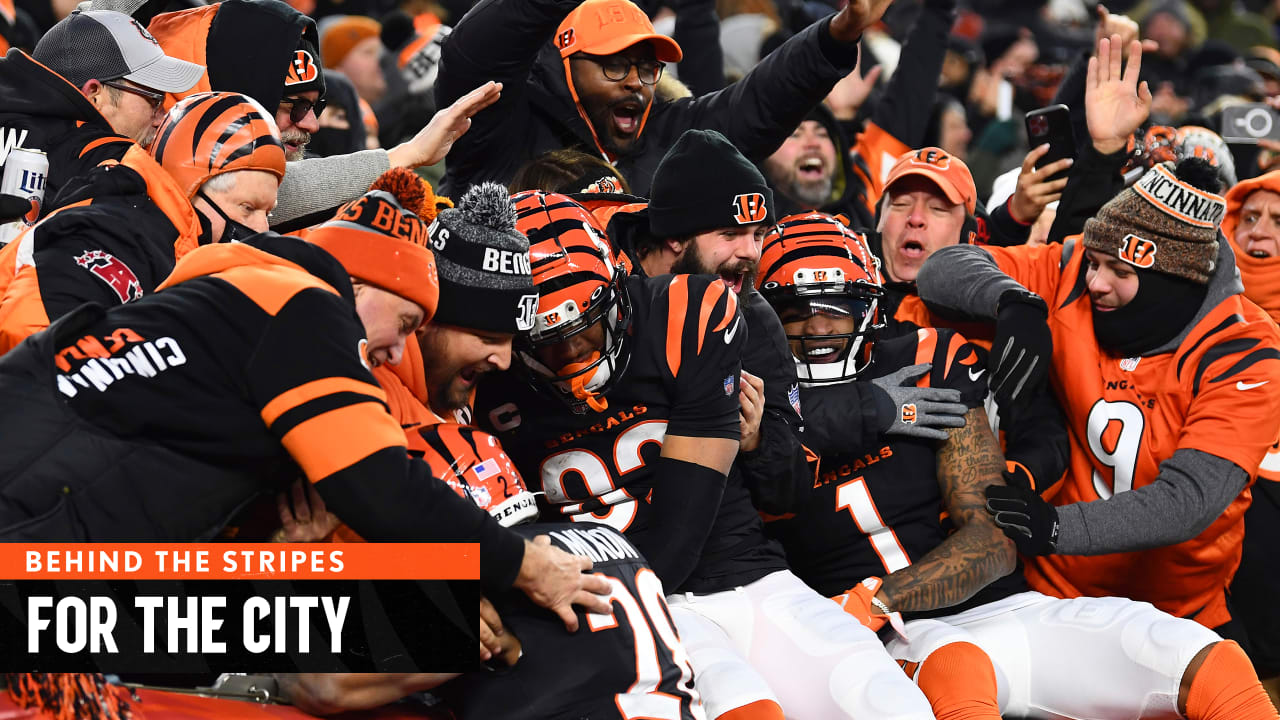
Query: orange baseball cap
[
  {"x": 949, "y": 173},
  {"x": 605, "y": 27}
]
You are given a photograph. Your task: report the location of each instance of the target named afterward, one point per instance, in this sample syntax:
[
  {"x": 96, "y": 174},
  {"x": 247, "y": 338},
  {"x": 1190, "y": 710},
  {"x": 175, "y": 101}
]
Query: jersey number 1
[{"x": 856, "y": 498}]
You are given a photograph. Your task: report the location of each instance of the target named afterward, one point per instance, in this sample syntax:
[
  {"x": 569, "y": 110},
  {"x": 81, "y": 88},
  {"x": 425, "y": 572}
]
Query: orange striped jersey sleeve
[
  {"x": 314, "y": 391},
  {"x": 701, "y": 353}
]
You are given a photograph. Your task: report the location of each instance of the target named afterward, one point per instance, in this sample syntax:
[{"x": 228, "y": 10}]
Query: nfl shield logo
[
  {"x": 793, "y": 395},
  {"x": 728, "y": 385},
  {"x": 1129, "y": 364}
]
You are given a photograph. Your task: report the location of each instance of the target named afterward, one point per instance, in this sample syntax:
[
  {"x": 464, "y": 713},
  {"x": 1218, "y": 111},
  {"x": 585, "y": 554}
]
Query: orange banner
[{"x": 239, "y": 561}]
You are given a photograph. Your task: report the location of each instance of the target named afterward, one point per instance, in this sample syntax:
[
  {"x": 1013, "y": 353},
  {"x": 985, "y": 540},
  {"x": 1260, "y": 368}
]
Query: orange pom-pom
[{"x": 413, "y": 193}]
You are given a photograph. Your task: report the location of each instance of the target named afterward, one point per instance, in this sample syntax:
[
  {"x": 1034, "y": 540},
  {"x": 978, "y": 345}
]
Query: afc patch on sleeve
[{"x": 111, "y": 270}]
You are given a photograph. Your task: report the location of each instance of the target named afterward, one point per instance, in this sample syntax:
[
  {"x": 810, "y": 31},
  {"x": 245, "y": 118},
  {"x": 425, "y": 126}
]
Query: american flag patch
[
  {"x": 485, "y": 469},
  {"x": 794, "y": 396}
]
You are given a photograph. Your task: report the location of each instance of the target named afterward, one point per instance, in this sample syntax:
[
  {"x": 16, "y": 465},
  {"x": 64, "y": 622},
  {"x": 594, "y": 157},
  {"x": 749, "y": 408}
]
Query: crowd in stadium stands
[{"x": 787, "y": 358}]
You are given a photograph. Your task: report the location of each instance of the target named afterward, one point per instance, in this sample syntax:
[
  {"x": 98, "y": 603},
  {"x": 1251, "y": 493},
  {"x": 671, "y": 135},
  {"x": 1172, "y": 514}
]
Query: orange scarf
[{"x": 1261, "y": 278}]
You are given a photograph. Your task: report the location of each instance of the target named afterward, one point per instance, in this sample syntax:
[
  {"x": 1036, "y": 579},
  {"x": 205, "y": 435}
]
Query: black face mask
[
  {"x": 1161, "y": 310},
  {"x": 232, "y": 232}
]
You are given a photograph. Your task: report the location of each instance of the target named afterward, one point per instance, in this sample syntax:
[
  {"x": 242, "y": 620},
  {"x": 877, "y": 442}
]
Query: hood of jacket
[
  {"x": 239, "y": 42},
  {"x": 1261, "y": 276},
  {"x": 33, "y": 90}
]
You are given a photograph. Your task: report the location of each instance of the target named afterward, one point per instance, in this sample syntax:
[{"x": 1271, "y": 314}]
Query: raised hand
[
  {"x": 848, "y": 24},
  {"x": 435, "y": 140},
  {"x": 1035, "y": 188},
  {"x": 851, "y": 92},
  {"x": 1115, "y": 103}
]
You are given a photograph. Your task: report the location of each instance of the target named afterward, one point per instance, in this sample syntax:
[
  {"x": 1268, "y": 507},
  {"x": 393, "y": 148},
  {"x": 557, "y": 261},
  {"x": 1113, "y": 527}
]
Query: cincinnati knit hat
[
  {"x": 483, "y": 261},
  {"x": 381, "y": 243},
  {"x": 1162, "y": 223},
  {"x": 704, "y": 183}
]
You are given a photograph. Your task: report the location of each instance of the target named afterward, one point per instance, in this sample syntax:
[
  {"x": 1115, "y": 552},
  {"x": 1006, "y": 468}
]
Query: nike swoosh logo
[
  {"x": 728, "y": 334},
  {"x": 973, "y": 376},
  {"x": 1242, "y": 385}
]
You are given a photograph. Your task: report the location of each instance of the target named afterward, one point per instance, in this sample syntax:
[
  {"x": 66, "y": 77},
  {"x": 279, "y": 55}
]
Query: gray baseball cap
[{"x": 106, "y": 45}]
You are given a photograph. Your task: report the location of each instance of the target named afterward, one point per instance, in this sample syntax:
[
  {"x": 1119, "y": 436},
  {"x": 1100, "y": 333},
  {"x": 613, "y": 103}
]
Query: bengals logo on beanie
[
  {"x": 302, "y": 70},
  {"x": 750, "y": 208}
]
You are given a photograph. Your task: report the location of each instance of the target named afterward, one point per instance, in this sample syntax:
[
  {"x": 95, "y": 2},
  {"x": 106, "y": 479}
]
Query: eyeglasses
[
  {"x": 299, "y": 107},
  {"x": 616, "y": 68},
  {"x": 154, "y": 97}
]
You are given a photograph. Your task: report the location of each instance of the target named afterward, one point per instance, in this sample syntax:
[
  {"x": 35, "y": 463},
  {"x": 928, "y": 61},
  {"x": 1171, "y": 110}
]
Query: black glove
[
  {"x": 1022, "y": 348},
  {"x": 1029, "y": 521},
  {"x": 917, "y": 411}
]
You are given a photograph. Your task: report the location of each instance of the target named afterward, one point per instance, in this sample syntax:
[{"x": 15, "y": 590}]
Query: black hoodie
[
  {"x": 247, "y": 45},
  {"x": 42, "y": 111}
]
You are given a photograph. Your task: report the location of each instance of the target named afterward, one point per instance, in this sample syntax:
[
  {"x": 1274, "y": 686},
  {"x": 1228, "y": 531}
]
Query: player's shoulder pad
[
  {"x": 698, "y": 314},
  {"x": 1231, "y": 346}
]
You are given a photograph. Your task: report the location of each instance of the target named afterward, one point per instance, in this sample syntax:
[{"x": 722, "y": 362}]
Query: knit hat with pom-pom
[{"x": 483, "y": 263}]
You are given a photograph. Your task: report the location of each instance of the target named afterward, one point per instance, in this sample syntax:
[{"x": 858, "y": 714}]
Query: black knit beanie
[
  {"x": 704, "y": 183},
  {"x": 483, "y": 264}
]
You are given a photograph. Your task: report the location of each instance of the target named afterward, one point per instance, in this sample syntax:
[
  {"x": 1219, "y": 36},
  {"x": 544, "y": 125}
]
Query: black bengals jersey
[
  {"x": 686, "y": 341},
  {"x": 876, "y": 510},
  {"x": 627, "y": 664}
]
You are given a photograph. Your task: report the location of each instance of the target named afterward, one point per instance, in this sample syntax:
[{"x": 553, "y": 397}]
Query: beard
[
  {"x": 692, "y": 263},
  {"x": 295, "y": 137},
  {"x": 811, "y": 193}
]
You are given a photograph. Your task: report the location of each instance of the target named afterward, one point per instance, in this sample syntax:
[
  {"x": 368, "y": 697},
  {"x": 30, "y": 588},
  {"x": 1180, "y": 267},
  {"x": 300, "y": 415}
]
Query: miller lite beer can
[{"x": 24, "y": 175}]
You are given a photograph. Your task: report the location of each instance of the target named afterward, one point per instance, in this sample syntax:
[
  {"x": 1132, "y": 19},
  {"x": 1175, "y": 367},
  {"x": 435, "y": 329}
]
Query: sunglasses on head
[{"x": 299, "y": 107}]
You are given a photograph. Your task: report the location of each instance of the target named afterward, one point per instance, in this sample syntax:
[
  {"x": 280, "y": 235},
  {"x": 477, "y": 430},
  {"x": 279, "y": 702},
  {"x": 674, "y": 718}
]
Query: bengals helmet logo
[
  {"x": 749, "y": 208},
  {"x": 933, "y": 157},
  {"x": 1138, "y": 252},
  {"x": 909, "y": 414},
  {"x": 565, "y": 39},
  {"x": 110, "y": 270},
  {"x": 302, "y": 70},
  {"x": 820, "y": 275}
]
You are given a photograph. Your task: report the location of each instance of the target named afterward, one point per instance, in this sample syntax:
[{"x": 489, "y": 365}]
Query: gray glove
[{"x": 917, "y": 411}]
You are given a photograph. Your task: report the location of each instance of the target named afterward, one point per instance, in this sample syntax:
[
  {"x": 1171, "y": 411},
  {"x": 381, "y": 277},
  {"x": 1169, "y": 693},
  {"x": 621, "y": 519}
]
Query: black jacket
[
  {"x": 157, "y": 420},
  {"x": 509, "y": 41},
  {"x": 42, "y": 111}
]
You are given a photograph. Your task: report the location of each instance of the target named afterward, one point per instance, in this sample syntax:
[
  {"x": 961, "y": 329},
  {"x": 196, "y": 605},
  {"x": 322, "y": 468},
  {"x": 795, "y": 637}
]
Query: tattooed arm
[{"x": 977, "y": 553}]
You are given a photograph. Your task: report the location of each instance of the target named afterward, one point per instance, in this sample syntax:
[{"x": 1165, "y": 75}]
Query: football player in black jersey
[
  {"x": 900, "y": 527},
  {"x": 628, "y": 415},
  {"x": 625, "y": 664}
]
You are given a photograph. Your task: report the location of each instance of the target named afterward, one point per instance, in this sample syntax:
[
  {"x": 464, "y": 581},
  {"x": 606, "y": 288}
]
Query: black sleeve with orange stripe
[
  {"x": 956, "y": 364},
  {"x": 307, "y": 376},
  {"x": 704, "y": 337}
]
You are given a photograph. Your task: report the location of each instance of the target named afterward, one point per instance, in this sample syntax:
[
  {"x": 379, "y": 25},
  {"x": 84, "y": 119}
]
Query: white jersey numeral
[
  {"x": 856, "y": 498},
  {"x": 1123, "y": 458},
  {"x": 598, "y": 479},
  {"x": 647, "y": 616}
]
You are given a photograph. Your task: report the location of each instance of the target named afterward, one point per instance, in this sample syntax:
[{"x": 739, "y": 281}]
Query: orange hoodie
[{"x": 1261, "y": 276}]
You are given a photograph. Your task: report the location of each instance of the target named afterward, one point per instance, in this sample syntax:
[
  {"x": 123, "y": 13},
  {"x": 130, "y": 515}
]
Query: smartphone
[
  {"x": 1051, "y": 125},
  {"x": 1249, "y": 123}
]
